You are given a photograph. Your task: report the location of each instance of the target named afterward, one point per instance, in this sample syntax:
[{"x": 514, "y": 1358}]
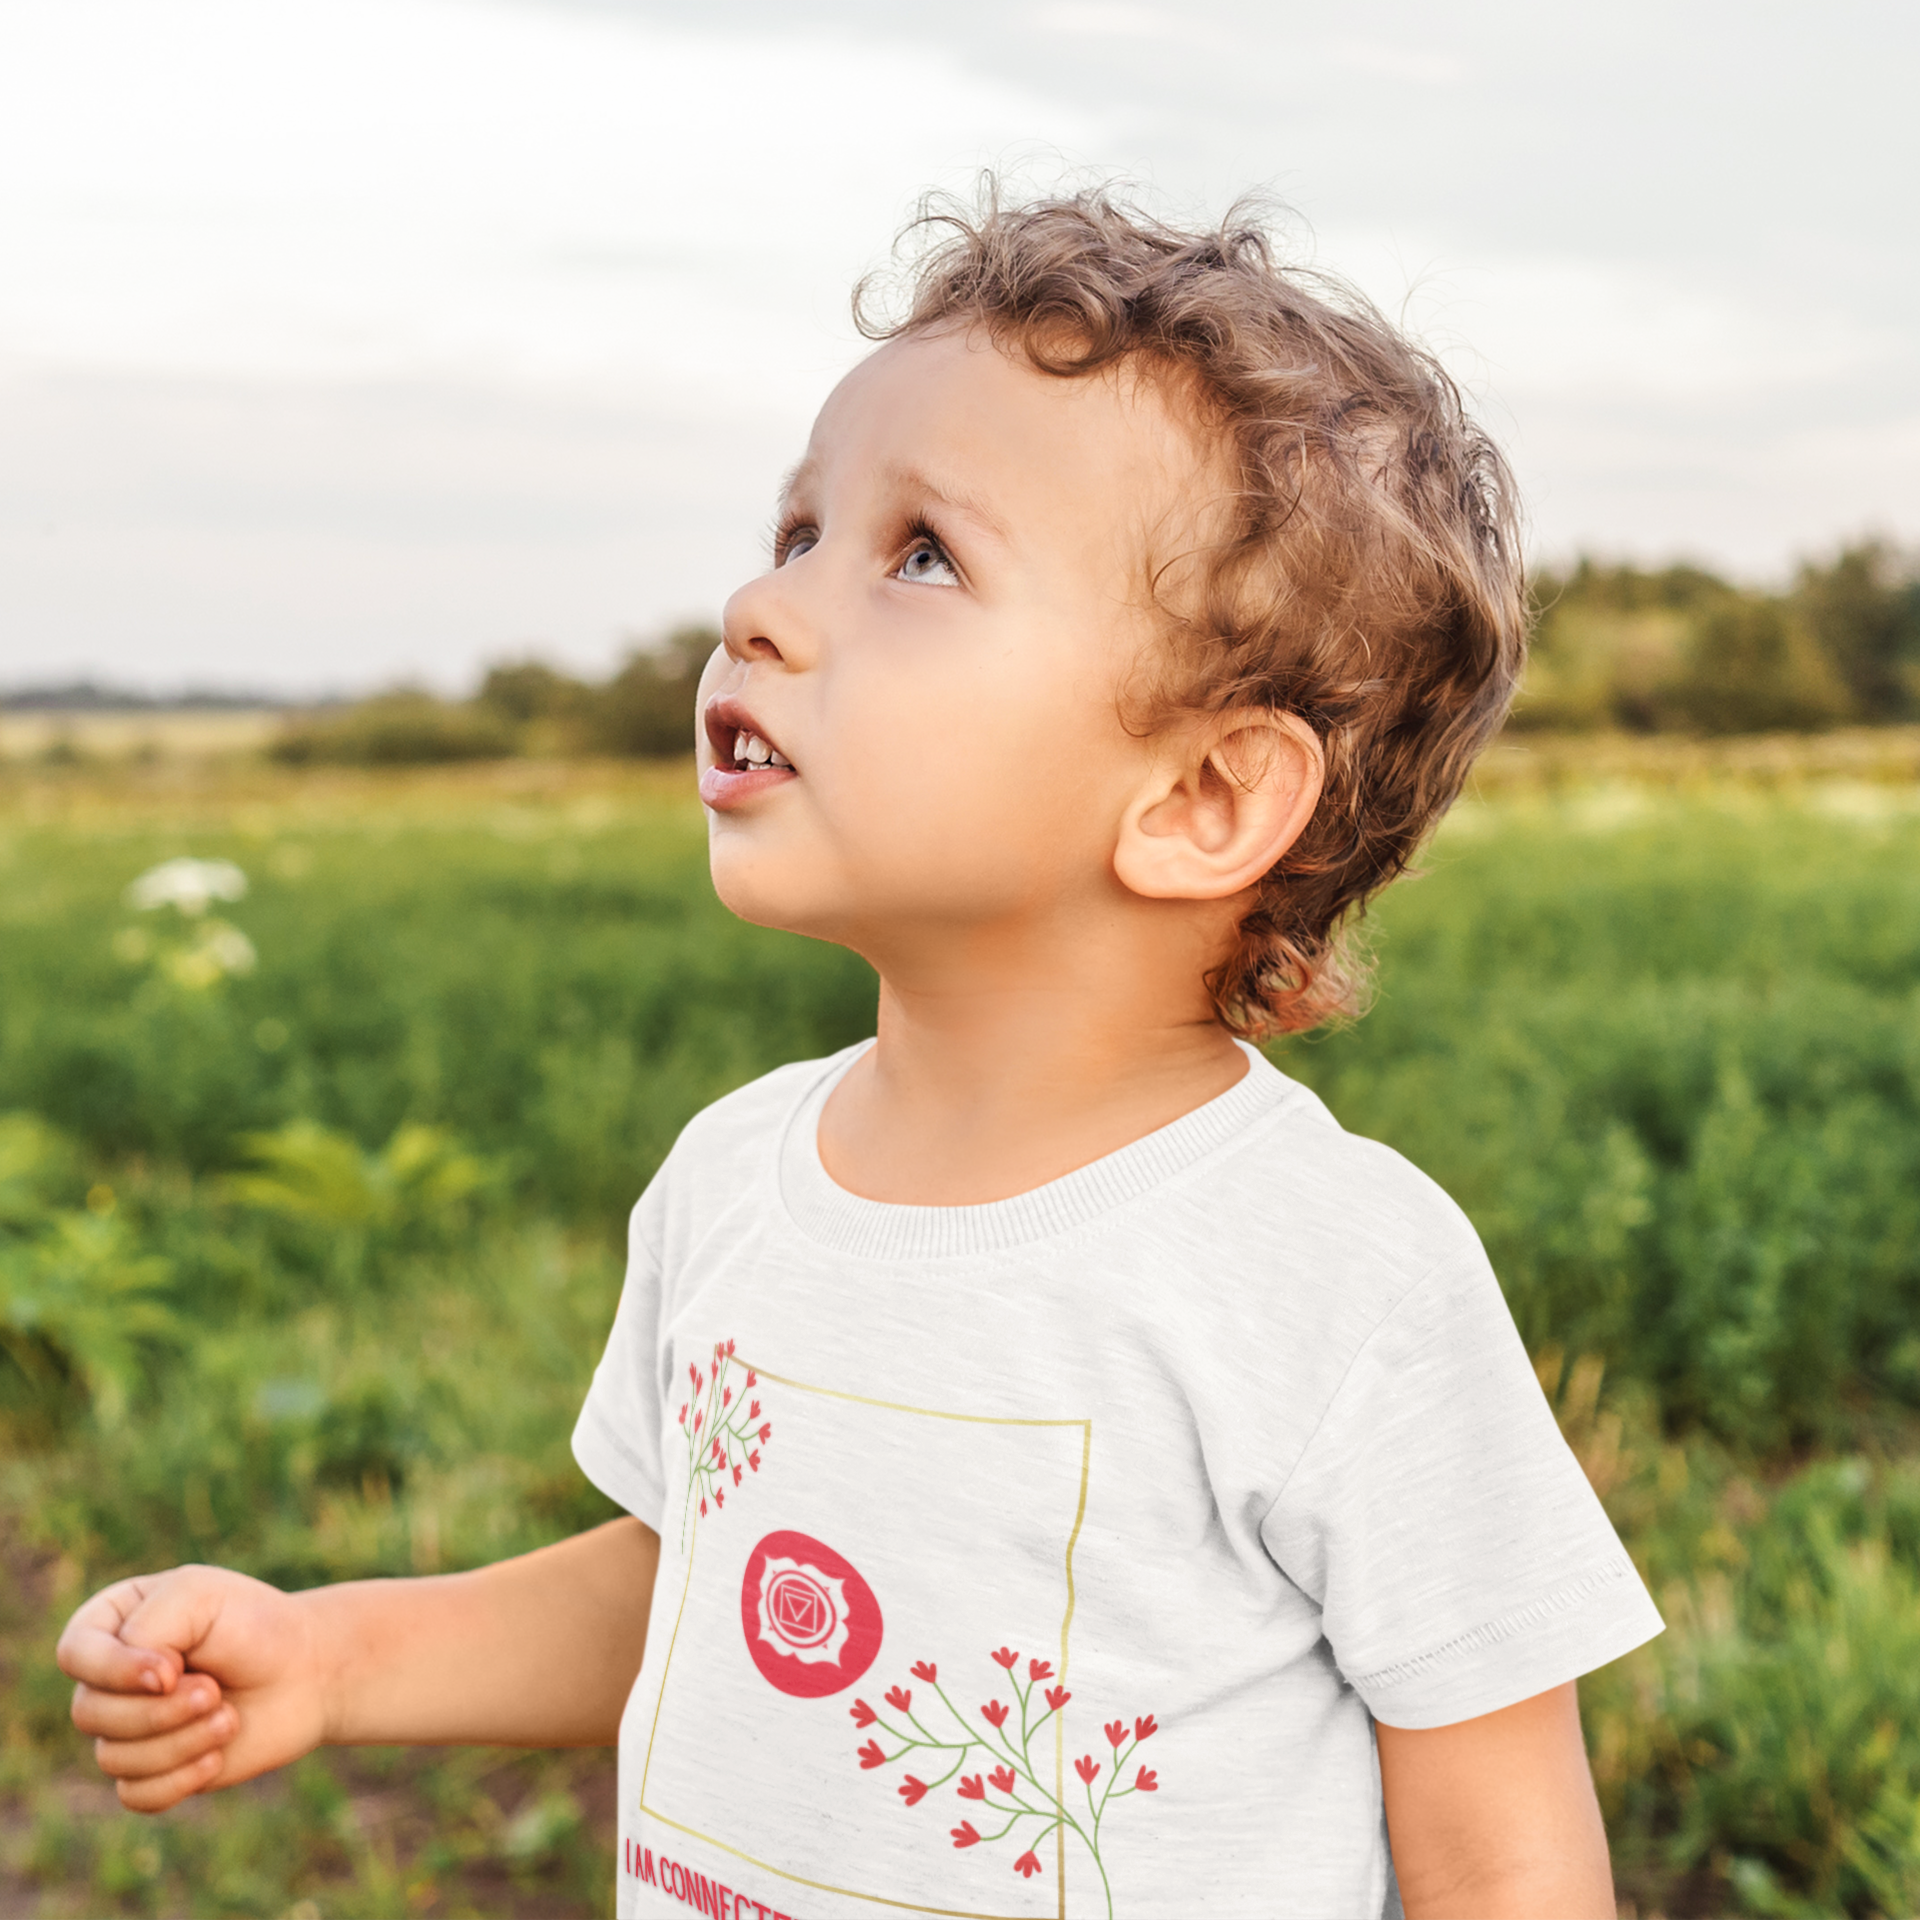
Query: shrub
[
  {"x": 647, "y": 708},
  {"x": 406, "y": 727},
  {"x": 1679, "y": 648}
]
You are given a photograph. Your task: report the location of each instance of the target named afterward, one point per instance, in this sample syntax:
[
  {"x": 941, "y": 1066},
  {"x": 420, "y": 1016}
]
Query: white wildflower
[{"x": 190, "y": 885}]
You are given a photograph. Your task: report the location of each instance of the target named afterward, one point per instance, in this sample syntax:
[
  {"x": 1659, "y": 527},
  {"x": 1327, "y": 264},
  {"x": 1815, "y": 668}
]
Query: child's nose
[{"x": 765, "y": 620}]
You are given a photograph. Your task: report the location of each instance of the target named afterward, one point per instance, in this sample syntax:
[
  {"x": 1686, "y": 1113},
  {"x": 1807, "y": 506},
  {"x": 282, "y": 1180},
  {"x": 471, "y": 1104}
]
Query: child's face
[{"x": 940, "y": 649}]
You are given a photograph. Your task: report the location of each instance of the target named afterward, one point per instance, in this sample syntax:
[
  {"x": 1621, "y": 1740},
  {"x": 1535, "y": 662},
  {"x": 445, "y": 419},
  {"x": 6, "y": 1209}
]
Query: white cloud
[
  {"x": 1386, "y": 60},
  {"x": 1096, "y": 19},
  {"x": 340, "y": 338},
  {"x": 458, "y": 187}
]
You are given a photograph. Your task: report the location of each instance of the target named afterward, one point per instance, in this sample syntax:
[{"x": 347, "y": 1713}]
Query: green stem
[
  {"x": 987, "y": 1839},
  {"x": 1120, "y": 1756},
  {"x": 942, "y": 1746},
  {"x": 950, "y": 1772},
  {"x": 1021, "y": 1765}
]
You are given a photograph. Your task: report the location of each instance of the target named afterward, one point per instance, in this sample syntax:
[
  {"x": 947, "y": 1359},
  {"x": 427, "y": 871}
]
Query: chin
[{"x": 767, "y": 892}]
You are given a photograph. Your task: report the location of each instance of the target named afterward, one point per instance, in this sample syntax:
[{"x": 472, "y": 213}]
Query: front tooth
[
  {"x": 779, "y": 759},
  {"x": 739, "y": 746},
  {"x": 757, "y": 750}
]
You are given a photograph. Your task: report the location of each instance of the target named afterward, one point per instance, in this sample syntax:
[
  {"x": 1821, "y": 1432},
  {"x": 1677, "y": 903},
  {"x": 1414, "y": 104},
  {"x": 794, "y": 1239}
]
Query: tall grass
[{"x": 308, "y": 1238}]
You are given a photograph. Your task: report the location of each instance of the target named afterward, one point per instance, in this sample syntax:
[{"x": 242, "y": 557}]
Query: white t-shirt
[{"x": 1049, "y": 1557}]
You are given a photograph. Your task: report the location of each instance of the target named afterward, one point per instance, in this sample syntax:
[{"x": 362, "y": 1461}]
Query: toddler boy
[{"x": 1045, "y": 1406}]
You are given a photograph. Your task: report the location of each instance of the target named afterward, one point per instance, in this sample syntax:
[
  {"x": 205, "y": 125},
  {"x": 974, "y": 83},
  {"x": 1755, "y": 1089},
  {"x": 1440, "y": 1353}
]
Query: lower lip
[{"x": 721, "y": 788}]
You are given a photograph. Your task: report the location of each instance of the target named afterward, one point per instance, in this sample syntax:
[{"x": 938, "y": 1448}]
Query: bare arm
[
  {"x": 1495, "y": 1818},
  {"x": 199, "y": 1678}
]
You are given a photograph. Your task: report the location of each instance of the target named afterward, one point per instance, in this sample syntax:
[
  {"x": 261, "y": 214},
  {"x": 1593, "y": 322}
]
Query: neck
[{"x": 989, "y": 1081}]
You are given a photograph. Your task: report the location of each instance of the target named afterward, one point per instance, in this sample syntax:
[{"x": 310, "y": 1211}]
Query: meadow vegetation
[{"x": 311, "y": 1198}]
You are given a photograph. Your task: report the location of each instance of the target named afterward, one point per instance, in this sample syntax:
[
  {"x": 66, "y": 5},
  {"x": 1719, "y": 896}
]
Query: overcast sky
[{"x": 347, "y": 340}]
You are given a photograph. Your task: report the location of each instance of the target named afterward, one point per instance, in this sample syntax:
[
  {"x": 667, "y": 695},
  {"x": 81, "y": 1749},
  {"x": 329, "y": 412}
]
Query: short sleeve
[
  {"x": 1459, "y": 1558},
  {"x": 617, "y": 1437}
]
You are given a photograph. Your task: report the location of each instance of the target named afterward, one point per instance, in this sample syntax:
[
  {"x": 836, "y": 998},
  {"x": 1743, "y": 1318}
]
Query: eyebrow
[{"x": 912, "y": 480}]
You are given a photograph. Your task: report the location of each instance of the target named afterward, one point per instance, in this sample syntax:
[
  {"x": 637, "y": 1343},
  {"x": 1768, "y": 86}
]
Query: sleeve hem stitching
[{"x": 1491, "y": 1633}]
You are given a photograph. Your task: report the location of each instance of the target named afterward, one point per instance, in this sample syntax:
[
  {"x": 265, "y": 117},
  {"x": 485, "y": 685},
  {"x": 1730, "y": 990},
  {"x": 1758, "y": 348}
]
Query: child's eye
[
  {"x": 927, "y": 565},
  {"x": 792, "y": 542}
]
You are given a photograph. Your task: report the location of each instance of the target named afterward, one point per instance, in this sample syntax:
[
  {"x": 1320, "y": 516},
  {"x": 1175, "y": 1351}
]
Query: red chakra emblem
[{"x": 811, "y": 1622}]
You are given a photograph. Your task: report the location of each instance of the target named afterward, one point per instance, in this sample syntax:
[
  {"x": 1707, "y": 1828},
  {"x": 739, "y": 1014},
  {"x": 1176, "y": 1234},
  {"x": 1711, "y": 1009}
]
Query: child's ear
[{"x": 1223, "y": 802}]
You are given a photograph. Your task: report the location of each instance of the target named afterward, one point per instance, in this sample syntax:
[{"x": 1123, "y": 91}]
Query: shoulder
[
  {"x": 1375, "y": 1193},
  {"x": 1315, "y": 1217}
]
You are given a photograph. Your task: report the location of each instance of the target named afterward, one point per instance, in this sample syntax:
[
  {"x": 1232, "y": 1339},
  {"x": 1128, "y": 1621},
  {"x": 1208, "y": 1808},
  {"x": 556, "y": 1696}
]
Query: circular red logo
[{"x": 812, "y": 1624}]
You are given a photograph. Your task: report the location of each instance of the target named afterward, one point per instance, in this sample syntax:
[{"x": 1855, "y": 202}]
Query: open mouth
[
  {"x": 744, "y": 759},
  {"x": 751, "y": 753}
]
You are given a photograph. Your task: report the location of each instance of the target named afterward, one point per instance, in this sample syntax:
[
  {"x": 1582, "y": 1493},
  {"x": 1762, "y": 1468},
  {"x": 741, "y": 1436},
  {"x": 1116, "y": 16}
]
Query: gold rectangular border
[{"x": 1066, "y": 1627}]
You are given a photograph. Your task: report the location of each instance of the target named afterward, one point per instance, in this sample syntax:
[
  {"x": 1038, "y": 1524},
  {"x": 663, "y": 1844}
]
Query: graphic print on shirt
[
  {"x": 1015, "y": 1791},
  {"x": 723, "y": 1438},
  {"x": 879, "y": 1521},
  {"x": 812, "y": 1623}
]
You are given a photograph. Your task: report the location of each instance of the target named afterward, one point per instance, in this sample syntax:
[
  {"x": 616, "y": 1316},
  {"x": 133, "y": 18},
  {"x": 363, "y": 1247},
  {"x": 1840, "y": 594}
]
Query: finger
[
  {"x": 92, "y": 1650},
  {"x": 138, "y": 1716},
  {"x": 165, "y": 1753},
  {"x": 164, "y": 1790}
]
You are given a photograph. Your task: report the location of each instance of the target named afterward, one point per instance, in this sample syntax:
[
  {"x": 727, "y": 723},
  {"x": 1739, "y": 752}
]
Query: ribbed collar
[{"x": 880, "y": 1230}]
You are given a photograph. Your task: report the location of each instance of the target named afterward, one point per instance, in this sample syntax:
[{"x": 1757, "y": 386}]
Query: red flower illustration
[
  {"x": 720, "y": 1438},
  {"x": 753, "y": 1379},
  {"x": 766, "y": 1433},
  {"x": 1016, "y": 1777},
  {"x": 753, "y": 1412}
]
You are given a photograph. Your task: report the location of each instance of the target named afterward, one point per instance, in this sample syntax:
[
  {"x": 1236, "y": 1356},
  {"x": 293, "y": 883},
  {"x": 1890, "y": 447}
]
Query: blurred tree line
[
  {"x": 1679, "y": 649},
  {"x": 646, "y": 709},
  {"x": 1648, "y": 650}
]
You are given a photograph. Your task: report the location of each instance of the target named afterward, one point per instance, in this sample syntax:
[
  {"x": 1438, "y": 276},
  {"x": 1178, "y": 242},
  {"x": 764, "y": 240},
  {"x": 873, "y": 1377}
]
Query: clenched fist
[
  {"x": 193, "y": 1679},
  {"x": 201, "y": 1678}
]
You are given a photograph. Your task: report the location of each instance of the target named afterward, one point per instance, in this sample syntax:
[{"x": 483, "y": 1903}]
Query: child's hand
[{"x": 192, "y": 1679}]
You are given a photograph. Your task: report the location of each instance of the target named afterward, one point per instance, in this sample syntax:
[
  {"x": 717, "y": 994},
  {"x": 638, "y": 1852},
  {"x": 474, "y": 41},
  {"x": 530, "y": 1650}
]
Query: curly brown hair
[{"x": 1369, "y": 579}]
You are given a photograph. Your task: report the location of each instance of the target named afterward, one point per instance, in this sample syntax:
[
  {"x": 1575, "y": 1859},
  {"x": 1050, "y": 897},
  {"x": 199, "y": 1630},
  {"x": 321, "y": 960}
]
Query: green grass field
[{"x": 310, "y": 1207}]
